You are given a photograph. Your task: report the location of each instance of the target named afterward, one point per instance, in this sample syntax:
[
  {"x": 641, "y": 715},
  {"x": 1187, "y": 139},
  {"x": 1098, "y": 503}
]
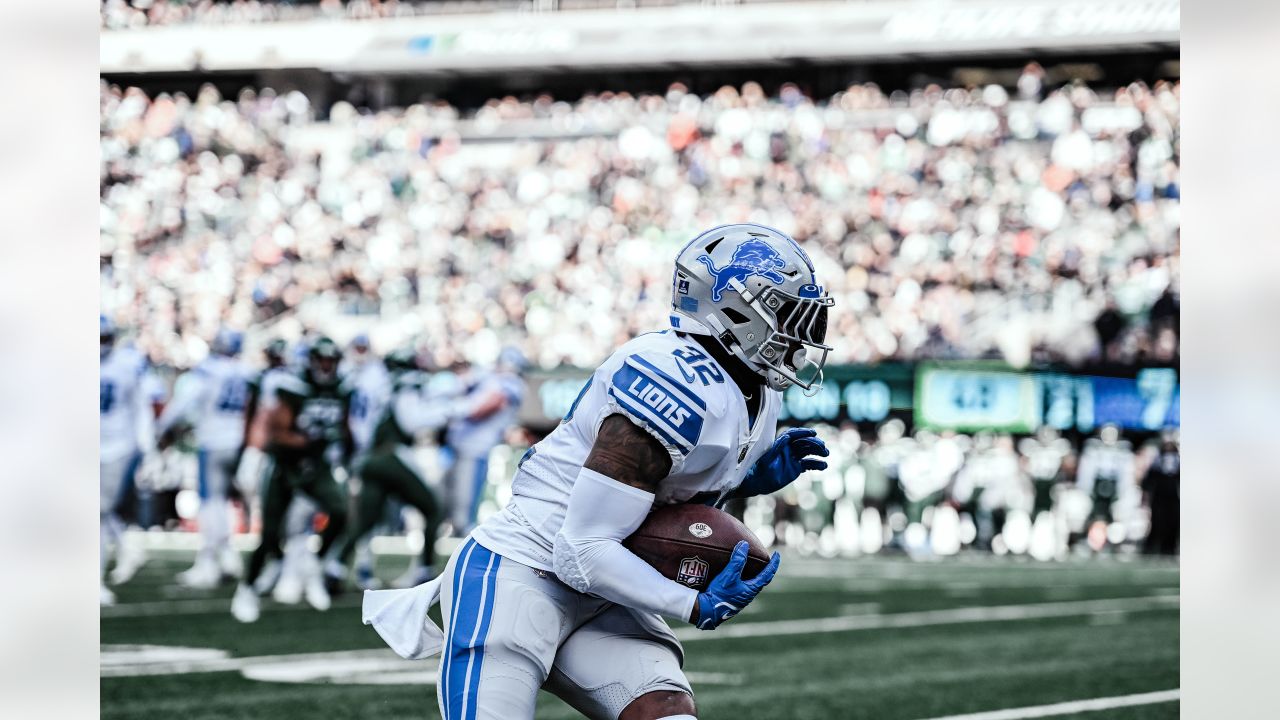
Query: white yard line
[
  {"x": 1070, "y": 708},
  {"x": 807, "y": 626},
  {"x": 378, "y": 666},
  {"x": 230, "y": 664},
  {"x": 204, "y": 606},
  {"x": 953, "y": 616}
]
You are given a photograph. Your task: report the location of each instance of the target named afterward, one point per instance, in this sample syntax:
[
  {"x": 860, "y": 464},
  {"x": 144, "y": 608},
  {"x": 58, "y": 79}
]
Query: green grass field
[{"x": 877, "y": 638}]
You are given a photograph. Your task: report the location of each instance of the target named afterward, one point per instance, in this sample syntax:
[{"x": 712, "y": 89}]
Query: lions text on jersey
[{"x": 665, "y": 384}]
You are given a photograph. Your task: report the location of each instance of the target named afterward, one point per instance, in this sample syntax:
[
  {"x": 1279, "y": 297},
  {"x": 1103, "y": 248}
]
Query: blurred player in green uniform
[
  {"x": 307, "y": 436},
  {"x": 390, "y": 470}
]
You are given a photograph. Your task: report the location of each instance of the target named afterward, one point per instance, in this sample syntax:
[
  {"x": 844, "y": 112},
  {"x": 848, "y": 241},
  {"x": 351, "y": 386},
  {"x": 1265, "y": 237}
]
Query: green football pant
[
  {"x": 386, "y": 476},
  {"x": 313, "y": 478}
]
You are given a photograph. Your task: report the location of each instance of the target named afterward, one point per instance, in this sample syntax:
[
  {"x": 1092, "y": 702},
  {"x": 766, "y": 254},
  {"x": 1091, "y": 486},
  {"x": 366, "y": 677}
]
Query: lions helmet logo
[
  {"x": 753, "y": 258},
  {"x": 693, "y": 572}
]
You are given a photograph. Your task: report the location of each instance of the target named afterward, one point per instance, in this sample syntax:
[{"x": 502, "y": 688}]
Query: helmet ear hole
[{"x": 736, "y": 317}]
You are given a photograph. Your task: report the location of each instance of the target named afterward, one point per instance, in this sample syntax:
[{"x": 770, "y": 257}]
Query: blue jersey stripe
[
  {"x": 651, "y": 423},
  {"x": 679, "y": 386},
  {"x": 202, "y": 474},
  {"x": 472, "y": 700},
  {"x": 446, "y": 658},
  {"x": 466, "y": 618}
]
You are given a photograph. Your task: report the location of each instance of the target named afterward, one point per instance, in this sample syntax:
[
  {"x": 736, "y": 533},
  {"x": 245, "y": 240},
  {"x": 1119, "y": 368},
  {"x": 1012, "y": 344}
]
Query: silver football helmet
[{"x": 753, "y": 289}]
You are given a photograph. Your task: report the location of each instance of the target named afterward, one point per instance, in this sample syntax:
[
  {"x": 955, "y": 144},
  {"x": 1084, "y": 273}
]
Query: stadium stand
[{"x": 954, "y": 223}]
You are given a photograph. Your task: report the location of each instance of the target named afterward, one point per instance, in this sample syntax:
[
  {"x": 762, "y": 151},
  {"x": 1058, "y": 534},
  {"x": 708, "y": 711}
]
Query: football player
[
  {"x": 307, "y": 435},
  {"x": 544, "y": 594},
  {"x": 1106, "y": 475},
  {"x": 261, "y": 398},
  {"x": 213, "y": 399},
  {"x": 125, "y": 436},
  {"x": 1044, "y": 455},
  {"x": 391, "y": 471},
  {"x": 492, "y": 402},
  {"x": 370, "y": 385}
]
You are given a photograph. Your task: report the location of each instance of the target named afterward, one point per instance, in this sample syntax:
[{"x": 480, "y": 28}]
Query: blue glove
[
  {"x": 728, "y": 593},
  {"x": 783, "y": 462}
]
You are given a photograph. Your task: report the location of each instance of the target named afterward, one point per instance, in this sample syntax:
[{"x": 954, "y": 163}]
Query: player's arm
[
  {"x": 415, "y": 412},
  {"x": 251, "y": 408},
  {"x": 613, "y": 494},
  {"x": 188, "y": 395},
  {"x": 146, "y": 419},
  {"x": 490, "y": 402},
  {"x": 280, "y": 430}
]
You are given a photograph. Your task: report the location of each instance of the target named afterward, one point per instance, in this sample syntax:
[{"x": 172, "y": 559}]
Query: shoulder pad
[
  {"x": 655, "y": 399},
  {"x": 293, "y": 385}
]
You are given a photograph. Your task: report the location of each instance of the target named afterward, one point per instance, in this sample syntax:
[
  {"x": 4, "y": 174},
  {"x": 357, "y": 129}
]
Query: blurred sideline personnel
[
  {"x": 391, "y": 471},
  {"x": 125, "y": 436},
  {"x": 213, "y": 400},
  {"x": 307, "y": 435},
  {"x": 682, "y": 415},
  {"x": 1161, "y": 491},
  {"x": 490, "y": 405}
]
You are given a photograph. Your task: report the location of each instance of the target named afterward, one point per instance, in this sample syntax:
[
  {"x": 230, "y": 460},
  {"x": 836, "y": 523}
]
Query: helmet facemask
[{"x": 794, "y": 352}]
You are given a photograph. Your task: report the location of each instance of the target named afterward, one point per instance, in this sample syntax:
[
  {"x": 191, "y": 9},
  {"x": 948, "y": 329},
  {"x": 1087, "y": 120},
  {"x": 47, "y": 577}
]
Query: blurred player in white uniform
[
  {"x": 370, "y": 385},
  {"x": 543, "y": 595},
  {"x": 489, "y": 408},
  {"x": 213, "y": 400},
  {"x": 126, "y": 434}
]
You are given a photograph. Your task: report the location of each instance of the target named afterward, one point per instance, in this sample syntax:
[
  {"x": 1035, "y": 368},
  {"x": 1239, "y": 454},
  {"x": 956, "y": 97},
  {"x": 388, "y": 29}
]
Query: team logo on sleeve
[
  {"x": 753, "y": 258},
  {"x": 693, "y": 571},
  {"x": 661, "y": 403}
]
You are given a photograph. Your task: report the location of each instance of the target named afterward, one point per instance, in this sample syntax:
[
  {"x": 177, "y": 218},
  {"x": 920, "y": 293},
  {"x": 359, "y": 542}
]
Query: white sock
[
  {"x": 215, "y": 525},
  {"x": 109, "y": 533}
]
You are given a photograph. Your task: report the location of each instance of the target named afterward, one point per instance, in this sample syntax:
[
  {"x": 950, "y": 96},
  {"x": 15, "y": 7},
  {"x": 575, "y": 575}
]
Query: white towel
[{"x": 401, "y": 619}]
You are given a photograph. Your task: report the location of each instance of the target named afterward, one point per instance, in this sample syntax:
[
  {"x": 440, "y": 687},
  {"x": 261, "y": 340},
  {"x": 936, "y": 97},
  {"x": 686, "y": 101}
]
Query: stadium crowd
[
  {"x": 132, "y": 14},
  {"x": 967, "y": 223}
]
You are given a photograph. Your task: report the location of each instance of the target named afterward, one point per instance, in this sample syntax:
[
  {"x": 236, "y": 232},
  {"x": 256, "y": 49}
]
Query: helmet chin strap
[{"x": 815, "y": 387}]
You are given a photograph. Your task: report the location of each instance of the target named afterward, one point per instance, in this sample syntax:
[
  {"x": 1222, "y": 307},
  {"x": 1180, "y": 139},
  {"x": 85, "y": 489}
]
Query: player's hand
[
  {"x": 728, "y": 593},
  {"x": 795, "y": 451}
]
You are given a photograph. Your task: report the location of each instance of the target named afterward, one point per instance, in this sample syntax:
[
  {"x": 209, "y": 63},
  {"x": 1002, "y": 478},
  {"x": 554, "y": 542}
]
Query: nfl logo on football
[{"x": 692, "y": 571}]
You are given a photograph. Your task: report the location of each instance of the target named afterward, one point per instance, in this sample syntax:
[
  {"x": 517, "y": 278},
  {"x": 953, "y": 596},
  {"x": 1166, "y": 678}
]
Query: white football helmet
[{"x": 753, "y": 289}]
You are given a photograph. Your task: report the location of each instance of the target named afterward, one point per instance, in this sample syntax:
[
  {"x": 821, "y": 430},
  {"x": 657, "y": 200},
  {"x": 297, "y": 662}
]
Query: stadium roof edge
[{"x": 688, "y": 35}]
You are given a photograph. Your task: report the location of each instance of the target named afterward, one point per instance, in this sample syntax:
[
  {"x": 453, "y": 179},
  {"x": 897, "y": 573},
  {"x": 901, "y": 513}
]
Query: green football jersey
[{"x": 320, "y": 410}]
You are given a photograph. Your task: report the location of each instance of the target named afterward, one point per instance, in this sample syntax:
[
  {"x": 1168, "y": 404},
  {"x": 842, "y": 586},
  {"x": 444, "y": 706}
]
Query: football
[{"x": 692, "y": 543}]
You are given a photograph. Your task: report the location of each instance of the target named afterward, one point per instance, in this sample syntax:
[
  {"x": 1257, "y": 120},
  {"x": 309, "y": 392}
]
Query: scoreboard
[
  {"x": 966, "y": 396},
  {"x": 974, "y": 398}
]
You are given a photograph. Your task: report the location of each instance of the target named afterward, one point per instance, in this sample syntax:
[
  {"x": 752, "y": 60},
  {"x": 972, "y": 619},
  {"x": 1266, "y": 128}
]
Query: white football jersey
[
  {"x": 671, "y": 388},
  {"x": 475, "y": 438},
  {"x": 370, "y": 385},
  {"x": 212, "y": 396},
  {"x": 125, "y": 414}
]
